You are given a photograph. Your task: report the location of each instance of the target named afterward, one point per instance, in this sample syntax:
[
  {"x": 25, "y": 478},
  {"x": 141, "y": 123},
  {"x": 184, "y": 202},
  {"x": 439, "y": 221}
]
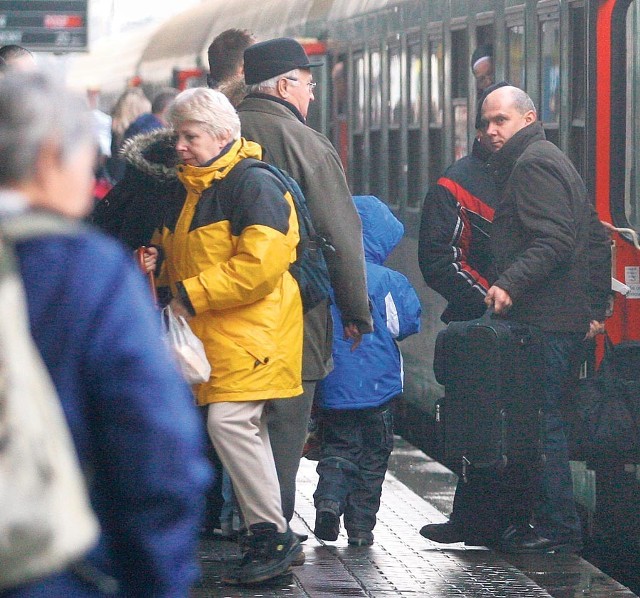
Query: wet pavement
[{"x": 401, "y": 562}]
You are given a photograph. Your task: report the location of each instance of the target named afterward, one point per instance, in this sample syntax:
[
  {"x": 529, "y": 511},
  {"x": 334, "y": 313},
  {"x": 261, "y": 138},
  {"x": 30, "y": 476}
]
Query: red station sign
[{"x": 53, "y": 26}]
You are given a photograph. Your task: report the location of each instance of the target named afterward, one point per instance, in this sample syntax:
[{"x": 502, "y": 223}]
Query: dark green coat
[{"x": 310, "y": 159}]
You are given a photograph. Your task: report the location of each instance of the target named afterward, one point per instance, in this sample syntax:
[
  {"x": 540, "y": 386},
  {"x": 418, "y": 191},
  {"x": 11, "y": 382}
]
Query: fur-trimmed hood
[{"x": 153, "y": 154}]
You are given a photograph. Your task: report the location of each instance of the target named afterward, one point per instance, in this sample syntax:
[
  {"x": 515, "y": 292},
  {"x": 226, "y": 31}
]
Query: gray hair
[
  {"x": 521, "y": 101},
  {"x": 269, "y": 84},
  {"x": 209, "y": 108},
  {"x": 36, "y": 109}
]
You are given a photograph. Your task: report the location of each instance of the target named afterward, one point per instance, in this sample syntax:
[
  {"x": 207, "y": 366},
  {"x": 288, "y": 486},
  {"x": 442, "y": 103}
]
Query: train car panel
[
  {"x": 397, "y": 97},
  {"x": 617, "y": 172}
]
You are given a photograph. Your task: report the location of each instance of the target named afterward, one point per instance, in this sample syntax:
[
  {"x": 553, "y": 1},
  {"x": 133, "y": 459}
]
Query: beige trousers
[{"x": 239, "y": 433}]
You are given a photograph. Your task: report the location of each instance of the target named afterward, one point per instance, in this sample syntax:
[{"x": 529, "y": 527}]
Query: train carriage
[{"x": 397, "y": 98}]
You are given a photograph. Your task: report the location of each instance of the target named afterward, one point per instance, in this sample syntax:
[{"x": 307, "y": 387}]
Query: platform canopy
[
  {"x": 111, "y": 62},
  {"x": 182, "y": 41}
]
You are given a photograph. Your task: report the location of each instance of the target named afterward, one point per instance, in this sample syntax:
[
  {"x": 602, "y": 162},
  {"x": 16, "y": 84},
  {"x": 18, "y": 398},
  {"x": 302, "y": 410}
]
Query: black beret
[
  {"x": 483, "y": 97},
  {"x": 271, "y": 58}
]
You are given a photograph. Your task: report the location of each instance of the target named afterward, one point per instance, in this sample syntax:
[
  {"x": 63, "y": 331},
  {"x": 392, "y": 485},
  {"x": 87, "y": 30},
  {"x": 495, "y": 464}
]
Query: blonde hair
[
  {"x": 129, "y": 106},
  {"x": 207, "y": 107}
]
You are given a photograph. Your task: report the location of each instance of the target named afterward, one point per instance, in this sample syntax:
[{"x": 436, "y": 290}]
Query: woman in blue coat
[
  {"x": 132, "y": 419},
  {"x": 354, "y": 400}
]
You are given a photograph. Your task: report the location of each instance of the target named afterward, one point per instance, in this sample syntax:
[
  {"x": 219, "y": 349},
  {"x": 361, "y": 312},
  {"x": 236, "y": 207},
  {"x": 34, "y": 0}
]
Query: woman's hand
[
  {"x": 149, "y": 259},
  {"x": 179, "y": 309}
]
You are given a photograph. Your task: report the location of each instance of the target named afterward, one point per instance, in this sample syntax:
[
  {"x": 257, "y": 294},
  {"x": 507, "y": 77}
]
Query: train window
[
  {"x": 375, "y": 87},
  {"x": 484, "y": 35},
  {"x": 340, "y": 105},
  {"x": 577, "y": 44},
  {"x": 460, "y": 90},
  {"x": 515, "y": 55},
  {"x": 416, "y": 167},
  {"x": 414, "y": 79},
  {"x": 358, "y": 93},
  {"x": 632, "y": 155},
  {"x": 459, "y": 64},
  {"x": 436, "y": 59},
  {"x": 484, "y": 74},
  {"x": 395, "y": 87},
  {"x": 550, "y": 72},
  {"x": 356, "y": 171},
  {"x": 339, "y": 86}
]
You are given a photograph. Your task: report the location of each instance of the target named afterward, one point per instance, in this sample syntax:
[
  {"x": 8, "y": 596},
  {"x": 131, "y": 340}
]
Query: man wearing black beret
[{"x": 279, "y": 75}]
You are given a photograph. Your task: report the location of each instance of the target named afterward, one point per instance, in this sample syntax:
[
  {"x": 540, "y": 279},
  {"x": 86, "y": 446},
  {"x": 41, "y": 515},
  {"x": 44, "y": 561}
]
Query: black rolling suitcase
[{"x": 491, "y": 415}]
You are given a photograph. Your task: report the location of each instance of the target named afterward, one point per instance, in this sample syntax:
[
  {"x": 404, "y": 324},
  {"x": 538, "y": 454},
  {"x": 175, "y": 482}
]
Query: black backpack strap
[{"x": 232, "y": 178}]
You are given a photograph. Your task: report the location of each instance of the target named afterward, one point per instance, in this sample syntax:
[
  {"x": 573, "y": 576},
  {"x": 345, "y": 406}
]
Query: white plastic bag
[{"x": 187, "y": 348}]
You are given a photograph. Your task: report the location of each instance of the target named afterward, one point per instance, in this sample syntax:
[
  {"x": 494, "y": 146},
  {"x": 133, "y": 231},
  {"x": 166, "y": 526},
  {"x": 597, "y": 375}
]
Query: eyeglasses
[{"x": 310, "y": 84}]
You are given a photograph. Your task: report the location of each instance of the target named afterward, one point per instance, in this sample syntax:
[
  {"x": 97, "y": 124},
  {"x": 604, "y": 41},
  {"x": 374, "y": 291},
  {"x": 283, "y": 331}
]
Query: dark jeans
[
  {"x": 490, "y": 501},
  {"x": 355, "y": 450},
  {"x": 555, "y": 513}
]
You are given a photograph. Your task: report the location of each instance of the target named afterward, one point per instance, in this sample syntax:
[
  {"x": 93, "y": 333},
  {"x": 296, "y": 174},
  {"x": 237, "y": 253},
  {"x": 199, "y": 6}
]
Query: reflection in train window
[
  {"x": 436, "y": 56},
  {"x": 460, "y": 91},
  {"x": 549, "y": 71},
  {"x": 358, "y": 92},
  {"x": 577, "y": 76},
  {"x": 416, "y": 167},
  {"x": 339, "y": 86},
  {"x": 515, "y": 55},
  {"x": 375, "y": 87},
  {"x": 414, "y": 70},
  {"x": 436, "y": 92},
  {"x": 395, "y": 87},
  {"x": 632, "y": 155},
  {"x": 340, "y": 107},
  {"x": 461, "y": 146}
]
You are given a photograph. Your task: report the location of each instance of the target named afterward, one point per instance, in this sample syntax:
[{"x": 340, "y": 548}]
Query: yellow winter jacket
[{"x": 228, "y": 257}]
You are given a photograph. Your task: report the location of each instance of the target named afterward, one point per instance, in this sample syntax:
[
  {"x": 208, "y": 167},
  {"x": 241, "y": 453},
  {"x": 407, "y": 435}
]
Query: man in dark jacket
[
  {"x": 454, "y": 255},
  {"x": 551, "y": 257},
  {"x": 453, "y": 246},
  {"x": 278, "y": 72}
]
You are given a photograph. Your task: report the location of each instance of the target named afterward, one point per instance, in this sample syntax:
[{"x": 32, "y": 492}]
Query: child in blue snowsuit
[{"x": 354, "y": 401}]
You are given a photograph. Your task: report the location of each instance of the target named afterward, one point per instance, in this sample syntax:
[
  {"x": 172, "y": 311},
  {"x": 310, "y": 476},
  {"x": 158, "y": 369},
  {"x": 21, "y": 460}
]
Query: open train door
[{"x": 617, "y": 160}]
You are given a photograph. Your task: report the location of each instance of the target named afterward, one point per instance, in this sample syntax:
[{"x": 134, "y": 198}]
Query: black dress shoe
[
  {"x": 527, "y": 541},
  {"x": 301, "y": 537},
  {"x": 443, "y": 533}
]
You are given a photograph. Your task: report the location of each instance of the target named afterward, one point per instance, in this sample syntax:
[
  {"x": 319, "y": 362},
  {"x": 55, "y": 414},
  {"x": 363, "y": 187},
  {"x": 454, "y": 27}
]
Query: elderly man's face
[
  {"x": 502, "y": 118},
  {"x": 299, "y": 91}
]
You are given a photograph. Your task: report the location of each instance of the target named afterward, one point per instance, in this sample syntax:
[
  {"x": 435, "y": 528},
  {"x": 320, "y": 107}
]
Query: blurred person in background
[
  {"x": 102, "y": 130},
  {"x": 130, "y": 414},
  {"x": 129, "y": 106},
  {"x": 157, "y": 118},
  {"x": 482, "y": 67},
  {"x": 16, "y": 58},
  {"x": 226, "y": 63}
]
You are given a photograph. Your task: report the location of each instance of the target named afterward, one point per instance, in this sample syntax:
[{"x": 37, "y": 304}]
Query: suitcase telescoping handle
[{"x": 150, "y": 276}]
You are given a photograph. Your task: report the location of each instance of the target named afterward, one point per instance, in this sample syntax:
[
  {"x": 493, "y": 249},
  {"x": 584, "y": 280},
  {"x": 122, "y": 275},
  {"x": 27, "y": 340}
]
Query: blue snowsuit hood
[
  {"x": 381, "y": 230},
  {"x": 372, "y": 375}
]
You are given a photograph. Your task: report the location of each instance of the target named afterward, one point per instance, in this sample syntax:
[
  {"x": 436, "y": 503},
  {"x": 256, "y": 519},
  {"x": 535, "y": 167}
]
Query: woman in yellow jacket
[{"x": 226, "y": 258}]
